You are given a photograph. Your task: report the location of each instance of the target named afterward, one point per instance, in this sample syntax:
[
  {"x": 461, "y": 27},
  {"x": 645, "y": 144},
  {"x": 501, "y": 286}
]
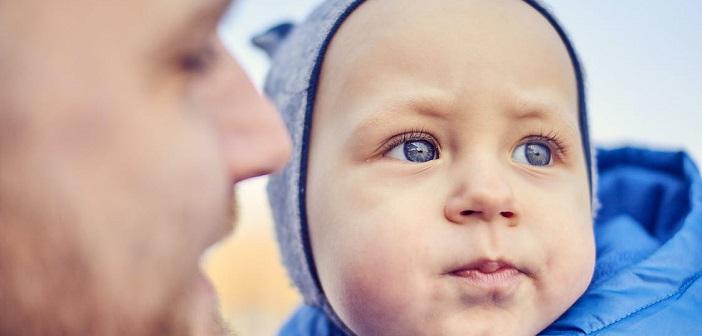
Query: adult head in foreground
[{"x": 123, "y": 127}]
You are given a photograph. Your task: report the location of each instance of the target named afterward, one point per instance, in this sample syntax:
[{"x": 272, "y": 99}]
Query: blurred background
[{"x": 643, "y": 62}]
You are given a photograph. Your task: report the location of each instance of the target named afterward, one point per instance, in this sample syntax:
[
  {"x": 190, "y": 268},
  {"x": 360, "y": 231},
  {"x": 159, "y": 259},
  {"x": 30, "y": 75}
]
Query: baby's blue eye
[
  {"x": 414, "y": 151},
  {"x": 533, "y": 153}
]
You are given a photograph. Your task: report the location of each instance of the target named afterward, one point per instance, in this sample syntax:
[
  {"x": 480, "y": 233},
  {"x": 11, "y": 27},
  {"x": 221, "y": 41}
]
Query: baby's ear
[{"x": 270, "y": 40}]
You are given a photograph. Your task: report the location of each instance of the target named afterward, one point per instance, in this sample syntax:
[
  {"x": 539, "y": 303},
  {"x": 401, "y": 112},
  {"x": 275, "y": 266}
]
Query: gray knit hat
[{"x": 297, "y": 56}]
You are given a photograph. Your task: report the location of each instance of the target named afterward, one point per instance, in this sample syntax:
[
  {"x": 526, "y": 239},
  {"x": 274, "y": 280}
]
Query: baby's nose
[{"x": 488, "y": 199}]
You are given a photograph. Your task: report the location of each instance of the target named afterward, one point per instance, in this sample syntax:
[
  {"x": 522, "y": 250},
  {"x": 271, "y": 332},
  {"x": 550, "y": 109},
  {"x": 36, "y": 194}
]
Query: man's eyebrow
[{"x": 208, "y": 11}]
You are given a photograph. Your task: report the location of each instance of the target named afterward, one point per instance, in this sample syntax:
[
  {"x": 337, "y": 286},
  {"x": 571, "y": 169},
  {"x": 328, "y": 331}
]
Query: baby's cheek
[
  {"x": 572, "y": 261},
  {"x": 374, "y": 291},
  {"x": 583, "y": 261},
  {"x": 371, "y": 304},
  {"x": 582, "y": 258}
]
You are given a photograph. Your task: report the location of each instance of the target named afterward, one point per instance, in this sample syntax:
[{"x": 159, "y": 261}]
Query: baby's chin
[
  {"x": 480, "y": 325},
  {"x": 519, "y": 314}
]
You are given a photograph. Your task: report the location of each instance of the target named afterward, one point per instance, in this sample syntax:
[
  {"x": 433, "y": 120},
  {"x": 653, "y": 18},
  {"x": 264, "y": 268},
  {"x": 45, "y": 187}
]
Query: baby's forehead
[{"x": 429, "y": 51}]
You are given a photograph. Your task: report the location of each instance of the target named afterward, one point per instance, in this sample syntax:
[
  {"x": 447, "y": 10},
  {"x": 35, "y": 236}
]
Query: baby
[{"x": 441, "y": 182}]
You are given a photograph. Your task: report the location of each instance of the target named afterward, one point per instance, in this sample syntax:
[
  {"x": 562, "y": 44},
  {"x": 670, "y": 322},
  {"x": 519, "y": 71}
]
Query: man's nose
[
  {"x": 255, "y": 141},
  {"x": 481, "y": 193},
  {"x": 262, "y": 147}
]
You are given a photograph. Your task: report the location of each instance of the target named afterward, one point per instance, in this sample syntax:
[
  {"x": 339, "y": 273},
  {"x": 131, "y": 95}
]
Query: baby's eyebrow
[
  {"x": 545, "y": 111},
  {"x": 536, "y": 114},
  {"x": 388, "y": 110}
]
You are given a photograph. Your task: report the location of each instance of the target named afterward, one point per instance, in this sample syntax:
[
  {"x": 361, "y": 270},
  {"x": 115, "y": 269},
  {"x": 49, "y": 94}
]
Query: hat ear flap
[{"x": 270, "y": 40}]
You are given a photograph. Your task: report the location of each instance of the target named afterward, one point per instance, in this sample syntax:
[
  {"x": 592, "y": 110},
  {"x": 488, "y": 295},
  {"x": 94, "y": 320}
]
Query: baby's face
[{"x": 447, "y": 189}]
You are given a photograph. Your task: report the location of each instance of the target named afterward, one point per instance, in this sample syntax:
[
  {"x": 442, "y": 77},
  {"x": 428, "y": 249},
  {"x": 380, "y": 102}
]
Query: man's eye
[
  {"x": 199, "y": 61},
  {"x": 533, "y": 153},
  {"x": 418, "y": 151}
]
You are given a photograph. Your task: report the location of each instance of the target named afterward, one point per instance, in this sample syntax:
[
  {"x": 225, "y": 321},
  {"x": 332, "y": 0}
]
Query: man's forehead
[
  {"x": 134, "y": 14},
  {"x": 206, "y": 8},
  {"x": 186, "y": 11},
  {"x": 157, "y": 13},
  {"x": 193, "y": 5}
]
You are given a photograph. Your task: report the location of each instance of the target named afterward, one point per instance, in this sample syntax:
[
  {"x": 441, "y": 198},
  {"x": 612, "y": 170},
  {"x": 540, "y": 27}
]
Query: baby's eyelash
[
  {"x": 554, "y": 139},
  {"x": 415, "y": 134}
]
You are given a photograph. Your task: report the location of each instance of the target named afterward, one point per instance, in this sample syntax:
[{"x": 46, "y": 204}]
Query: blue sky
[{"x": 643, "y": 61}]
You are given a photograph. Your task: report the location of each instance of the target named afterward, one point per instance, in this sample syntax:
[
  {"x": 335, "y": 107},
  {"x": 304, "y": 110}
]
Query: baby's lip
[
  {"x": 490, "y": 279},
  {"x": 487, "y": 266}
]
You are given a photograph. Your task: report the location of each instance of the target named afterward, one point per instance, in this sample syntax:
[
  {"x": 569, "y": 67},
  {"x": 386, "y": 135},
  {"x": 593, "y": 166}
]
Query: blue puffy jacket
[{"x": 649, "y": 253}]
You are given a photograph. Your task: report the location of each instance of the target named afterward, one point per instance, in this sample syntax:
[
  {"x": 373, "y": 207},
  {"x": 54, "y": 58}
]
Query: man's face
[
  {"x": 447, "y": 189},
  {"x": 123, "y": 127}
]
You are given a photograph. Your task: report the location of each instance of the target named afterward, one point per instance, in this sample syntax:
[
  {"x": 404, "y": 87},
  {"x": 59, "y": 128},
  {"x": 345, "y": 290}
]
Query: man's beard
[{"x": 48, "y": 287}]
